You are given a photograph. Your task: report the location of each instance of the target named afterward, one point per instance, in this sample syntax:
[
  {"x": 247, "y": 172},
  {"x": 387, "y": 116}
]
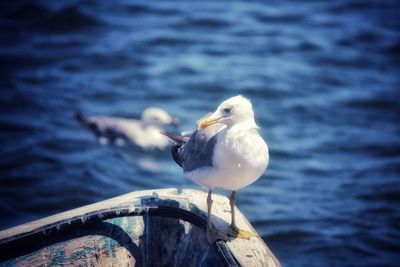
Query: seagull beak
[{"x": 208, "y": 121}]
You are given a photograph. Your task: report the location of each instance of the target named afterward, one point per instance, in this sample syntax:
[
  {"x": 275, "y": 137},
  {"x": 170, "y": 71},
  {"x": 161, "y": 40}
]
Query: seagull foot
[
  {"x": 239, "y": 233},
  {"x": 214, "y": 235}
]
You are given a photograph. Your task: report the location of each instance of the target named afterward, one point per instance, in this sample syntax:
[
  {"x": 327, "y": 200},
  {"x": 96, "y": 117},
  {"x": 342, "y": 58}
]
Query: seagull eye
[{"x": 227, "y": 110}]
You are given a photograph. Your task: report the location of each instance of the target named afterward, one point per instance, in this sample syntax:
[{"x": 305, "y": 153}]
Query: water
[{"x": 323, "y": 77}]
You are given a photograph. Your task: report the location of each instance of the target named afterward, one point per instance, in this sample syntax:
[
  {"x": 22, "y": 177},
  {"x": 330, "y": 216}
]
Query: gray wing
[
  {"x": 103, "y": 126},
  {"x": 199, "y": 150}
]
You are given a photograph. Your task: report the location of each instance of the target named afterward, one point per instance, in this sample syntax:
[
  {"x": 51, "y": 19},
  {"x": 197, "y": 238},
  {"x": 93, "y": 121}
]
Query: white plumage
[
  {"x": 240, "y": 158},
  {"x": 144, "y": 133},
  {"x": 226, "y": 151}
]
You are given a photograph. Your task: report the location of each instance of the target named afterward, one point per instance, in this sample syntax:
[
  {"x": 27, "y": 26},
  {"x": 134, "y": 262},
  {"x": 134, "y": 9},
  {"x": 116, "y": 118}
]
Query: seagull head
[
  {"x": 234, "y": 110},
  {"x": 158, "y": 117}
]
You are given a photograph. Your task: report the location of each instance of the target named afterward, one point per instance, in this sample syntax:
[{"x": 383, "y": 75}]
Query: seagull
[
  {"x": 144, "y": 133},
  {"x": 226, "y": 151}
]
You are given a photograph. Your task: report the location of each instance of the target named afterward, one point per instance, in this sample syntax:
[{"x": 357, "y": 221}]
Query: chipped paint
[{"x": 145, "y": 240}]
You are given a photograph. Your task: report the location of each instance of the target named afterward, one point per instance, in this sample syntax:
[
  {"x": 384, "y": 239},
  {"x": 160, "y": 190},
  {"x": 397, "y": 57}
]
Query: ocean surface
[{"x": 323, "y": 77}]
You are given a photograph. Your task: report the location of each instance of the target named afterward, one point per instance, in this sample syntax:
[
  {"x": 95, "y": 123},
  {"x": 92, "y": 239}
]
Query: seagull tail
[
  {"x": 179, "y": 141},
  {"x": 86, "y": 122},
  {"x": 81, "y": 118},
  {"x": 177, "y": 138}
]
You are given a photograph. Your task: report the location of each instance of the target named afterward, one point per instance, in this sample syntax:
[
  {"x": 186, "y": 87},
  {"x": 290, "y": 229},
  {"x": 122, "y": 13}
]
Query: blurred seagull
[
  {"x": 144, "y": 133},
  {"x": 226, "y": 151}
]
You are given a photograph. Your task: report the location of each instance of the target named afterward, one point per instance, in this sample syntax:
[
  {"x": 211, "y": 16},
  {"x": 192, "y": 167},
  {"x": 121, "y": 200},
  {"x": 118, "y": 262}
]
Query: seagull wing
[{"x": 103, "y": 126}]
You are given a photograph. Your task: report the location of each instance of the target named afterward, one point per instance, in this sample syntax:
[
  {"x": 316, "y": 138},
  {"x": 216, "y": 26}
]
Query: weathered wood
[
  {"x": 141, "y": 240},
  {"x": 249, "y": 252},
  {"x": 112, "y": 202}
]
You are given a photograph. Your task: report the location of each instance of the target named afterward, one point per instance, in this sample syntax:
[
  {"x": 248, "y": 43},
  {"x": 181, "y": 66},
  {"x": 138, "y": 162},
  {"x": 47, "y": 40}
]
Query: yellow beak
[{"x": 207, "y": 122}]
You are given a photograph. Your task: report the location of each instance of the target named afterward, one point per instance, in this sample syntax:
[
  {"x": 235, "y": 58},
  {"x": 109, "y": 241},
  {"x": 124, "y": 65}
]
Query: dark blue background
[{"x": 323, "y": 77}]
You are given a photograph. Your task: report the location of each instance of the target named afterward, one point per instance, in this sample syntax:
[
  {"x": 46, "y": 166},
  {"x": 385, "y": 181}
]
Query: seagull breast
[{"x": 241, "y": 158}]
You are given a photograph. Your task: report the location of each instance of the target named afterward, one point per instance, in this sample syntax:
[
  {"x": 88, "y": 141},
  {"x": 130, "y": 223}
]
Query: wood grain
[{"x": 141, "y": 240}]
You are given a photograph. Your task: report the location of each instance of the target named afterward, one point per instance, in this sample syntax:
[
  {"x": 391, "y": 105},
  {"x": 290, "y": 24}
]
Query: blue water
[{"x": 323, "y": 77}]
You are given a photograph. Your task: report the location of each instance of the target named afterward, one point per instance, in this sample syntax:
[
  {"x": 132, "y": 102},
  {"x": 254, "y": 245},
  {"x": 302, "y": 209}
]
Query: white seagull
[
  {"x": 144, "y": 133},
  {"x": 227, "y": 152}
]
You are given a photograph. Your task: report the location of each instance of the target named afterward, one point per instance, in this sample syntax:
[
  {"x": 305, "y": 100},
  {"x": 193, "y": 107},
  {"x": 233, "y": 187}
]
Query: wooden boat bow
[{"x": 144, "y": 228}]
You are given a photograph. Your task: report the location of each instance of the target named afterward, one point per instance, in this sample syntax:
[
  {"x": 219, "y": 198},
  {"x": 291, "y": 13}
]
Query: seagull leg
[
  {"x": 232, "y": 202},
  {"x": 209, "y": 204},
  {"x": 213, "y": 234},
  {"x": 235, "y": 231}
]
